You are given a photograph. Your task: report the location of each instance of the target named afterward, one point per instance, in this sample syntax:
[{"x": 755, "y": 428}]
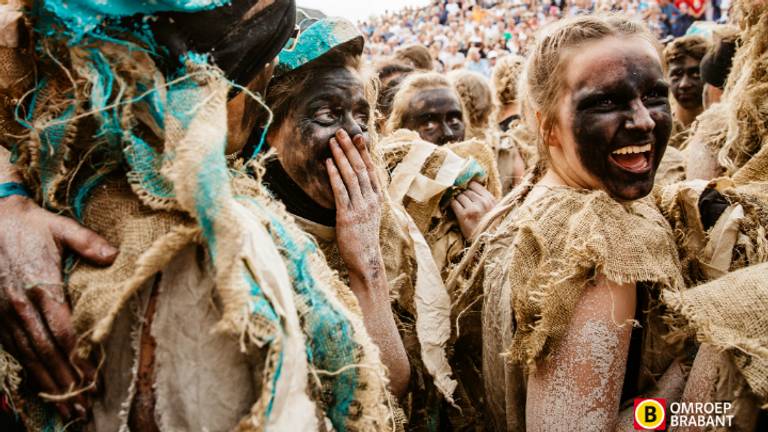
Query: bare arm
[
  {"x": 358, "y": 196},
  {"x": 579, "y": 386},
  {"x": 35, "y": 319}
]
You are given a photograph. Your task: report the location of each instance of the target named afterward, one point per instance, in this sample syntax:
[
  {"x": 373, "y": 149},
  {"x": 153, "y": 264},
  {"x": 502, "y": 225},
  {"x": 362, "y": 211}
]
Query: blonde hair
[
  {"x": 506, "y": 77},
  {"x": 416, "y": 83},
  {"x": 476, "y": 100},
  {"x": 543, "y": 78}
]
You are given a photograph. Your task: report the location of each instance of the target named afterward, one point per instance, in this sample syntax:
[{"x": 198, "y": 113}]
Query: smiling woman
[{"x": 574, "y": 258}]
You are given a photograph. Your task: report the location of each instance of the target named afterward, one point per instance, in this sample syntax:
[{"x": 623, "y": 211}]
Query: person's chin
[{"x": 631, "y": 191}]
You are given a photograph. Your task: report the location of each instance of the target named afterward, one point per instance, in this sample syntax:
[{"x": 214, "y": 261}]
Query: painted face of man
[
  {"x": 616, "y": 118},
  {"x": 436, "y": 115},
  {"x": 686, "y": 83},
  {"x": 334, "y": 99}
]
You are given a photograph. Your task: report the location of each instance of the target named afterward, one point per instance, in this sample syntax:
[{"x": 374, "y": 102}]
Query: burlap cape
[
  {"x": 731, "y": 314},
  {"x": 425, "y": 177},
  {"x": 540, "y": 259}
]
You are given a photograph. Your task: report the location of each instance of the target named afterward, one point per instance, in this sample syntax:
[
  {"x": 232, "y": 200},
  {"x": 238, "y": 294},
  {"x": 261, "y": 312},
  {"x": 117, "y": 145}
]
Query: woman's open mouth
[{"x": 635, "y": 159}]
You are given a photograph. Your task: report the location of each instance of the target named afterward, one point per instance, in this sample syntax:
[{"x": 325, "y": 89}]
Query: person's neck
[
  {"x": 508, "y": 111},
  {"x": 296, "y": 201},
  {"x": 686, "y": 116}
]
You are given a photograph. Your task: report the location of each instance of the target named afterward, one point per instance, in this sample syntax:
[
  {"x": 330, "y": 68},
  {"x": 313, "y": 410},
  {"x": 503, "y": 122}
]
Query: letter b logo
[{"x": 650, "y": 414}]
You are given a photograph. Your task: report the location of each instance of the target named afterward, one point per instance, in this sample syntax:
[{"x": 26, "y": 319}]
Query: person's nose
[
  {"x": 686, "y": 82},
  {"x": 640, "y": 118},
  {"x": 351, "y": 126},
  {"x": 448, "y": 135}
]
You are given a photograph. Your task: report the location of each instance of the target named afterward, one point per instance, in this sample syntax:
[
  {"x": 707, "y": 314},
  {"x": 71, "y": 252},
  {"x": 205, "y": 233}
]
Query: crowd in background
[{"x": 473, "y": 34}]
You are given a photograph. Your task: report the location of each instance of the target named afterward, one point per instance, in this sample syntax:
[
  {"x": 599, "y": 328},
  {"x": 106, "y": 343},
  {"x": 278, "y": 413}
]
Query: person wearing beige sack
[
  {"x": 322, "y": 100},
  {"x": 572, "y": 258},
  {"x": 428, "y": 105},
  {"x": 214, "y": 291}
]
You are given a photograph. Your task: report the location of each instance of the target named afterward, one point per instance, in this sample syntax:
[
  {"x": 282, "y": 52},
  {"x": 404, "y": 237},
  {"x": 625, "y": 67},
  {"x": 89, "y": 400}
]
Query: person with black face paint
[
  {"x": 576, "y": 254},
  {"x": 428, "y": 104},
  {"x": 324, "y": 173},
  {"x": 682, "y": 58},
  {"x": 199, "y": 285}
]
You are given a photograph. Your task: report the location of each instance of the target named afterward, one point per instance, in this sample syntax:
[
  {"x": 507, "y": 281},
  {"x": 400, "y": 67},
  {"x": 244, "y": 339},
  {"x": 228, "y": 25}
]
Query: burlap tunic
[{"x": 541, "y": 258}]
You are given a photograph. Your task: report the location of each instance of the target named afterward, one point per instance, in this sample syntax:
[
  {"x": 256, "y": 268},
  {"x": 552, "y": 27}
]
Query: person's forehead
[
  {"x": 434, "y": 100},
  {"x": 684, "y": 62},
  {"x": 612, "y": 59},
  {"x": 335, "y": 80}
]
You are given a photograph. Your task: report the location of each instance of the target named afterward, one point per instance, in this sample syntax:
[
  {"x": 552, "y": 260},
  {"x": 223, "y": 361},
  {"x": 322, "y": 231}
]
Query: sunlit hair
[
  {"x": 416, "y": 55},
  {"x": 476, "y": 100},
  {"x": 414, "y": 84},
  {"x": 506, "y": 78}
]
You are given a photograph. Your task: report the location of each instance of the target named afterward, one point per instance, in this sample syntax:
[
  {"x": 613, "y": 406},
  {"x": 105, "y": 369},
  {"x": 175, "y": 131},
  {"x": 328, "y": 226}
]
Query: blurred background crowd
[{"x": 473, "y": 34}]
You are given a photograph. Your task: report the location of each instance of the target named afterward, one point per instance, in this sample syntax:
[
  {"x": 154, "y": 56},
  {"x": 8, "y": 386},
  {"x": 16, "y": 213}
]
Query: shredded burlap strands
[
  {"x": 10, "y": 371},
  {"x": 731, "y": 314},
  {"x": 172, "y": 136},
  {"x": 737, "y": 239},
  {"x": 563, "y": 240}
]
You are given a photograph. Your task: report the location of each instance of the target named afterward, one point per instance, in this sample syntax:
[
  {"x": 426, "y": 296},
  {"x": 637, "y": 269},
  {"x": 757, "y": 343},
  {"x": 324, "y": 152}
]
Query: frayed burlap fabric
[
  {"x": 420, "y": 302},
  {"x": 541, "y": 258},
  {"x": 671, "y": 168},
  {"x": 737, "y": 239},
  {"x": 138, "y": 155},
  {"x": 731, "y": 314},
  {"x": 424, "y": 177}
]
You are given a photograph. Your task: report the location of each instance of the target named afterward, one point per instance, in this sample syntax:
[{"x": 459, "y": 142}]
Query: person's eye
[
  {"x": 454, "y": 121},
  {"x": 430, "y": 125},
  {"x": 362, "y": 121},
  {"x": 325, "y": 116},
  {"x": 605, "y": 102}
]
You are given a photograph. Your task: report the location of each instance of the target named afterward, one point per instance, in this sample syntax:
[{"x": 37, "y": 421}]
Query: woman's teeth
[{"x": 632, "y": 149}]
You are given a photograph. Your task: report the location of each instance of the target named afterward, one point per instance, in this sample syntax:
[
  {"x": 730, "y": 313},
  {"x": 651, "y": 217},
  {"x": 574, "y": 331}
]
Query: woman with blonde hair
[{"x": 579, "y": 256}]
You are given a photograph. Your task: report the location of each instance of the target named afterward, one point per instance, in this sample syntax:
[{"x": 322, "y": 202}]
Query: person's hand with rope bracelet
[{"x": 36, "y": 319}]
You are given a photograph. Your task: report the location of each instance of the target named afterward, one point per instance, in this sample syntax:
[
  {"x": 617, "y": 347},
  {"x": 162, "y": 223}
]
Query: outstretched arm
[{"x": 579, "y": 386}]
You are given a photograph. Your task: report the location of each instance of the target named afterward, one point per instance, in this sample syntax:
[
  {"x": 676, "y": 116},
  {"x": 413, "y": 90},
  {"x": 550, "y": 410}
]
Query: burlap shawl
[
  {"x": 731, "y": 314},
  {"x": 539, "y": 261}
]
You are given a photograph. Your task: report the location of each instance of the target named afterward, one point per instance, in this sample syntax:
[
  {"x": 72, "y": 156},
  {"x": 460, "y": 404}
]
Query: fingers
[
  {"x": 58, "y": 318},
  {"x": 464, "y": 200},
  {"x": 355, "y": 160},
  {"x": 347, "y": 173},
  {"x": 360, "y": 142},
  {"x": 46, "y": 350},
  {"x": 22, "y": 349},
  {"x": 457, "y": 208},
  {"x": 340, "y": 195},
  {"x": 85, "y": 242}
]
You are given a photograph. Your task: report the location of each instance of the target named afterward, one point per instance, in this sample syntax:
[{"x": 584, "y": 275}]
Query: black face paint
[
  {"x": 622, "y": 107},
  {"x": 334, "y": 99},
  {"x": 241, "y": 37},
  {"x": 436, "y": 115},
  {"x": 686, "y": 83}
]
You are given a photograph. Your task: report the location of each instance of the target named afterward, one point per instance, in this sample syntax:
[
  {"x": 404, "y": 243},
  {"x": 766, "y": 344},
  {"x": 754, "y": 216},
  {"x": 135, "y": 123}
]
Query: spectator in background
[
  {"x": 670, "y": 14},
  {"x": 476, "y": 63},
  {"x": 453, "y": 59},
  {"x": 683, "y": 22}
]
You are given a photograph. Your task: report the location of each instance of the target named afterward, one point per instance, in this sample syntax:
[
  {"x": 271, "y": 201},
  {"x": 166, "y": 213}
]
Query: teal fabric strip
[{"x": 13, "y": 188}]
